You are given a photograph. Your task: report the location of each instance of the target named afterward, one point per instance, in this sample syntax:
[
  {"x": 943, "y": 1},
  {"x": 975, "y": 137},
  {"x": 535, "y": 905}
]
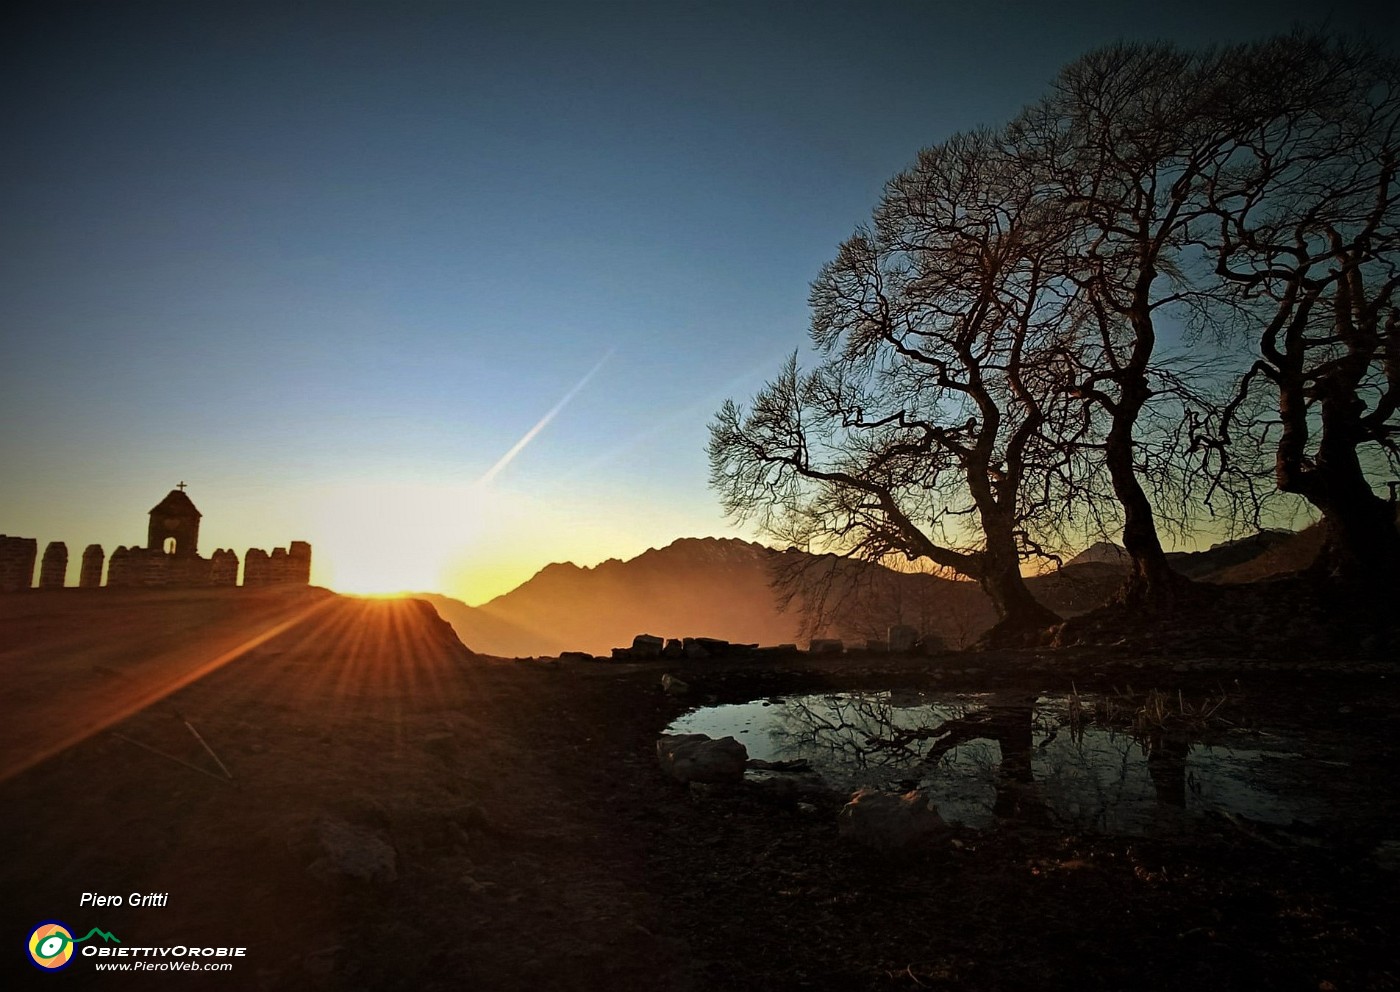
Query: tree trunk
[
  {"x": 1151, "y": 583},
  {"x": 1361, "y": 550},
  {"x": 1019, "y": 614}
]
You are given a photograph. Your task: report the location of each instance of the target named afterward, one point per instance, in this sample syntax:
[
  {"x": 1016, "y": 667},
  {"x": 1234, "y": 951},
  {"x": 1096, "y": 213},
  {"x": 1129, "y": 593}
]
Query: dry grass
[{"x": 1156, "y": 712}]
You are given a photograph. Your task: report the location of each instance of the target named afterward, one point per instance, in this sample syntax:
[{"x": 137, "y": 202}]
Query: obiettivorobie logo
[{"x": 51, "y": 944}]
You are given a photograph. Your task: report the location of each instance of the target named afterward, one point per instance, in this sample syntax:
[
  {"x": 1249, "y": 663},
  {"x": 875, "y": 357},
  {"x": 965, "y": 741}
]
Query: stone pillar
[
  {"x": 90, "y": 572},
  {"x": 256, "y": 568},
  {"x": 54, "y": 569},
  {"x": 277, "y": 566},
  {"x": 17, "y": 556},
  {"x": 223, "y": 568},
  {"x": 119, "y": 569},
  {"x": 300, "y": 563}
]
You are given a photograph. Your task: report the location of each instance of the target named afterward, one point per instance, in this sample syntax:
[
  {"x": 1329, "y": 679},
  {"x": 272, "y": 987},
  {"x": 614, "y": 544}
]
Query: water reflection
[{"x": 990, "y": 757}]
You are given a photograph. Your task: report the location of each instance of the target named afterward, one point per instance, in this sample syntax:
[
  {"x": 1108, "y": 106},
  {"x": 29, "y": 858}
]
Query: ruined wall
[
  {"x": 90, "y": 571},
  {"x": 17, "y": 555},
  {"x": 53, "y": 572},
  {"x": 146, "y": 568},
  {"x": 282, "y": 567}
]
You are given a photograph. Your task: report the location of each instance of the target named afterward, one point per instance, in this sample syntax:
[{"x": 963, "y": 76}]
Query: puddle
[{"x": 995, "y": 757}]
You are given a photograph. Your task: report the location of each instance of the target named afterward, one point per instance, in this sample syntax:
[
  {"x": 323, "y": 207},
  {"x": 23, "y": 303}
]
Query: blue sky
[{"x": 329, "y": 262}]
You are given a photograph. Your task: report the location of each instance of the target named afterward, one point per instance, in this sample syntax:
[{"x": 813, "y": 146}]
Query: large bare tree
[
  {"x": 1307, "y": 244},
  {"x": 1124, "y": 143},
  {"x": 935, "y": 424}
]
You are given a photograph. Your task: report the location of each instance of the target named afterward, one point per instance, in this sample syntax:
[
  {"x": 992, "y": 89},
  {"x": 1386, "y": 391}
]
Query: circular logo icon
[{"x": 51, "y": 945}]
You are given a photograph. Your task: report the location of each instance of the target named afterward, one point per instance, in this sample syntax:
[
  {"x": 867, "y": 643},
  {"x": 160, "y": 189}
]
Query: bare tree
[
  {"x": 938, "y": 407},
  {"x": 1308, "y": 246},
  {"x": 1124, "y": 143}
]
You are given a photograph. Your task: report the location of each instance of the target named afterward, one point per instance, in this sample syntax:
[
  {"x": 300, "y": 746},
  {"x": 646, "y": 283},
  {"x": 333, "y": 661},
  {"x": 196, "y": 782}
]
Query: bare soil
[{"x": 535, "y": 844}]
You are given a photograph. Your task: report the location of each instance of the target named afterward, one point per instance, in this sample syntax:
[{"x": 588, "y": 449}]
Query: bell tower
[{"x": 174, "y": 525}]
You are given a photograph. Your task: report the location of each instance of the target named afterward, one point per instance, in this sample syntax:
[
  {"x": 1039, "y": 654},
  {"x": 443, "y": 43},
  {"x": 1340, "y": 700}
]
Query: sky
[{"x": 452, "y": 290}]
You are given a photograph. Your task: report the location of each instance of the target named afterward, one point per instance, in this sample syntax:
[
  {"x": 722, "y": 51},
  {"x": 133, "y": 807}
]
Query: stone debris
[
  {"x": 826, "y": 645},
  {"x": 888, "y": 821},
  {"x": 699, "y": 758}
]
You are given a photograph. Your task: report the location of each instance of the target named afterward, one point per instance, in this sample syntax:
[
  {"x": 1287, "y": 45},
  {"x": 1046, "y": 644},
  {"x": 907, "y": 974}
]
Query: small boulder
[
  {"x": 673, "y": 650},
  {"x": 674, "y": 685},
  {"x": 647, "y": 646},
  {"x": 699, "y": 758},
  {"x": 827, "y": 645},
  {"x": 713, "y": 646},
  {"x": 888, "y": 821}
]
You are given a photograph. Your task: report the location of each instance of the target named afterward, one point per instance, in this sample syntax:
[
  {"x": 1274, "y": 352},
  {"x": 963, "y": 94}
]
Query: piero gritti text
[{"x": 137, "y": 899}]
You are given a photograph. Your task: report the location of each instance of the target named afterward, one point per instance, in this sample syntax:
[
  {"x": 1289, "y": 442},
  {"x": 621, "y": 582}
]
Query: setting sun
[{"x": 399, "y": 537}]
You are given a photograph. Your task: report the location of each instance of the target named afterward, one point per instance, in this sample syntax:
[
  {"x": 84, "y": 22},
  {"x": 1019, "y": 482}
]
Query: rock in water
[
  {"x": 888, "y": 821},
  {"x": 698, "y": 758}
]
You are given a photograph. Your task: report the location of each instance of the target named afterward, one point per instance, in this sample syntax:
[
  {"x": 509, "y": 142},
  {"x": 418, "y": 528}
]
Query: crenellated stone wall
[
  {"x": 17, "y": 556},
  {"x": 147, "y": 568},
  {"x": 285, "y": 566},
  {"x": 53, "y": 571}
]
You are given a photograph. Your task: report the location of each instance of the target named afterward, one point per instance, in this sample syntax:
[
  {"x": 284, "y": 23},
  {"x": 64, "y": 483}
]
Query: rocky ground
[{"x": 403, "y": 814}]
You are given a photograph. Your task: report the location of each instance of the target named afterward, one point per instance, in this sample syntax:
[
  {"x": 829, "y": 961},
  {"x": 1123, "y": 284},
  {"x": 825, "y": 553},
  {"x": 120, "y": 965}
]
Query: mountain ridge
[{"x": 723, "y": 587}]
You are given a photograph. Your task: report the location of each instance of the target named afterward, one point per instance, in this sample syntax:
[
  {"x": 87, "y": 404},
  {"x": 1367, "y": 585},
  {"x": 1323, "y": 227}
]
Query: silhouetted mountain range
[{"x": 722, "y": 587}]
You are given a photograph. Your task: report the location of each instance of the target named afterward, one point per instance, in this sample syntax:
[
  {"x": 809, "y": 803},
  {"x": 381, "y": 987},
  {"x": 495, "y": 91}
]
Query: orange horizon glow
[{"x": 470, "y": 541}]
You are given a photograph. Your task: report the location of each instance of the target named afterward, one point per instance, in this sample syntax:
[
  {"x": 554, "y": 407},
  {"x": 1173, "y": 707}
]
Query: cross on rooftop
[{"x": 181, "y": 486}]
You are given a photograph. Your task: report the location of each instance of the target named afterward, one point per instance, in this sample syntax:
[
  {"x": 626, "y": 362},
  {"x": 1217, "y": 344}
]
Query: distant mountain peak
[{"x": 1100, "y": 553}]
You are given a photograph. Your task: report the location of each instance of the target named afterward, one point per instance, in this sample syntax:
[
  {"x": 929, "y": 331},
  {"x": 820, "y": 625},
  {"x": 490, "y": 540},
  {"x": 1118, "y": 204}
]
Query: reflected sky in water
[{"x": 987, "y": 757}]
